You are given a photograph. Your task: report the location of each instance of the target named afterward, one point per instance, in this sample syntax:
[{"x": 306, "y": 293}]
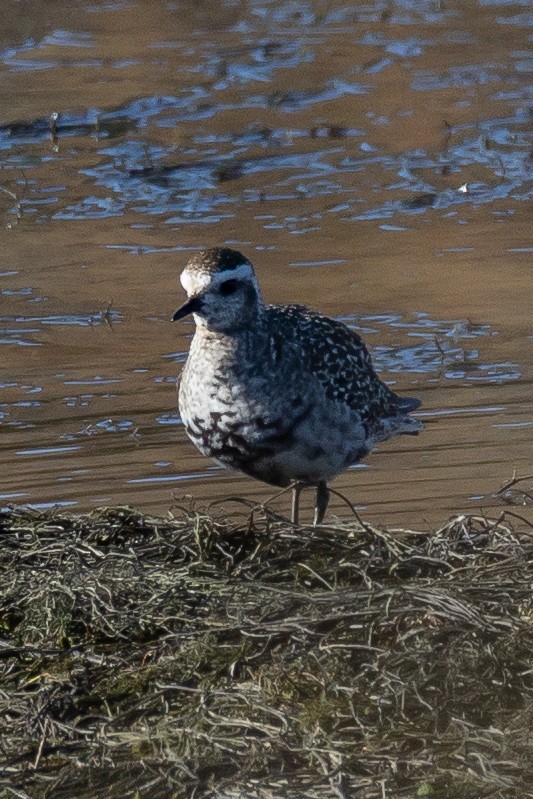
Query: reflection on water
[{"x": 374, "y": 161}]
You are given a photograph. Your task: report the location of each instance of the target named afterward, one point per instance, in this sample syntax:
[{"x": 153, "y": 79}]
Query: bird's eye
[{"x": 228, "y": 287}]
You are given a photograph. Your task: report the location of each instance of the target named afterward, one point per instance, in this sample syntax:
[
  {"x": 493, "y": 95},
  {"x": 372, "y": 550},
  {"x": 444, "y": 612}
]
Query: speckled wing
[{"x": 338, "y": 357}]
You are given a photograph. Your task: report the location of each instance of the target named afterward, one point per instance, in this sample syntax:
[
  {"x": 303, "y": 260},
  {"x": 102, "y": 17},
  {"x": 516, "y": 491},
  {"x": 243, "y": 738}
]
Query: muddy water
[{"x": 373, "y": 160}]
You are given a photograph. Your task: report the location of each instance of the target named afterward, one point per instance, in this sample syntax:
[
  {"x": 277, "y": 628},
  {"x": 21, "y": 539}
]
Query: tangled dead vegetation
[{"x": 238, "y": 657}]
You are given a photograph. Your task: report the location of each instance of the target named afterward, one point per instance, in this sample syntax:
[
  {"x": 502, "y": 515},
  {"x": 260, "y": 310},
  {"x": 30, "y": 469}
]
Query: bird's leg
[
  {"x": 296, "y": 491},
  {"x": 321, "y": 502}
]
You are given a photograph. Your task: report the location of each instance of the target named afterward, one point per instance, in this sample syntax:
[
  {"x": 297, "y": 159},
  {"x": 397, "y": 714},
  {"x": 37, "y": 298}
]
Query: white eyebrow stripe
[
  {"x": 197, "y": 280},
  {"x": 243, "y": 270}
]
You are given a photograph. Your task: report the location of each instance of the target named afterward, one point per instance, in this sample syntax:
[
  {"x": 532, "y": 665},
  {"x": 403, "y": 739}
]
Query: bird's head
[{"x": 222, "y": 290}]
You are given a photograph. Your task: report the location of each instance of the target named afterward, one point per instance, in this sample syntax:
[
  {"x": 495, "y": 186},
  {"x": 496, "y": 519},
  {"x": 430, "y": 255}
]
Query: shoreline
[{"x": 239, "y": 656}]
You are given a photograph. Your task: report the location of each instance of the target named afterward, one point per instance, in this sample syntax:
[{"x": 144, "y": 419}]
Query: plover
[{"x": 279, "y": 392}]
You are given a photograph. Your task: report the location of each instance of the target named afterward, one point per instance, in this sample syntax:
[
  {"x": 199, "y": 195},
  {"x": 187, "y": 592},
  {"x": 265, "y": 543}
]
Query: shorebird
[{"x": 279, "y": 392}]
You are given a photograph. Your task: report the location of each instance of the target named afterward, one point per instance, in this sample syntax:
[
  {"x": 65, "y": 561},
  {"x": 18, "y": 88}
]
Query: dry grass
[{"x": 234, "y": 656}]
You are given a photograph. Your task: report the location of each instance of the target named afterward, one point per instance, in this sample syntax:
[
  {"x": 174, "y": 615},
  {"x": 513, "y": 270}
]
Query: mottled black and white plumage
[{"x": 279, "y": 392}]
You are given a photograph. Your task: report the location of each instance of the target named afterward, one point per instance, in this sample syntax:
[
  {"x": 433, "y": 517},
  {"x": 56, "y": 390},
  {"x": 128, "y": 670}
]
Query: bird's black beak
[{"x": 191, "y": 306}]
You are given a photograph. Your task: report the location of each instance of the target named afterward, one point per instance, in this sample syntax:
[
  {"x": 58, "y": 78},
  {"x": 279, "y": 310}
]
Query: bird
[{"x": 281, "y": 393}]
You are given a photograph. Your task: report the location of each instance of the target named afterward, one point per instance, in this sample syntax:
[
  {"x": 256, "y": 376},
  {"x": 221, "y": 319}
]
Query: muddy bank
[{"x": 235, "y": 656}]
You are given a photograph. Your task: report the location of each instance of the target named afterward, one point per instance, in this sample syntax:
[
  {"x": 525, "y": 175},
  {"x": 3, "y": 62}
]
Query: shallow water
[{"x": 374, "y": 161}]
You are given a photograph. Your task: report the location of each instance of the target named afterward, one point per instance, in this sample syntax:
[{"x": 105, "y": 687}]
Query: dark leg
[
  {"x": 321, "y": 502},
  {"x": 296, "y": 491}
]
